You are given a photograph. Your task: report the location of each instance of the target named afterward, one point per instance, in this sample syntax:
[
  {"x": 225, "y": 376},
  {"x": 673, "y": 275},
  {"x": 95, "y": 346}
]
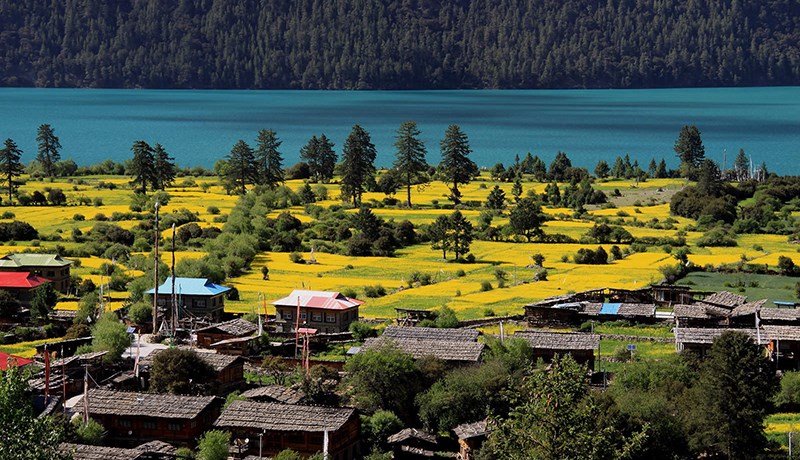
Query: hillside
[{"x": 362, "y": 44}]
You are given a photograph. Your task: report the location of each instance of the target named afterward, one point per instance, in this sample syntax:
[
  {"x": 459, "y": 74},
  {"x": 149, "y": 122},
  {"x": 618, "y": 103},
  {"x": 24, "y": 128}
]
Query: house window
[
  {"x": 149, "y": 425},
  {"x": 316, "y": 316},
  {"x": 330, "y": 318},
  {"x": 174, "y": 426},
  {"x": 303, "y": 315},
  {"x": 124, "y": 423},
  {"x": 200, "y": 303},
  {"x": 287, "y": 314},
  {"x": 51, "y": 273},
  {"x": 162, "y": 301}
]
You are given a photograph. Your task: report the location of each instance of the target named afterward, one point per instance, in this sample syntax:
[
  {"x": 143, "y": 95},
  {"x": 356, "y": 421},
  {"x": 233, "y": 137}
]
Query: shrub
[
  {"x": 214, "y": 445},
  {"x": 296, "y": 257},
  {"x": 486, "y": 286},
  {"x": 350, "y": 292},
  {"x": 489, "y": 312},
  {"x": 213, "y": 210},
  {"x": 78, "y": 217},
  {"x": 460, "y": 273},
  {"x": 97, "y": 202},
  {"x": 8, "y": 215},
  {"x": 140, "y": 313},
  {"x": 91, "y": 433},
  {"x": 374, "y": 291},
  {"x": 362, "y": 331},
  {"x": 421, "y": 278}
]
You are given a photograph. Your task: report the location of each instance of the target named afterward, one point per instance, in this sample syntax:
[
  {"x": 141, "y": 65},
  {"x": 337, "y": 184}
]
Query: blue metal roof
[
  {"x": 190, "y": 286},
  {"x": 610, "y": 308}
]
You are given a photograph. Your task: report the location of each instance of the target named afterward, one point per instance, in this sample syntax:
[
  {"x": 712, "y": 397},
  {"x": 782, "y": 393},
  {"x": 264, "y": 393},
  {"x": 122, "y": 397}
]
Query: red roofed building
[
  {"x": 325, "y": 311},
  {"x": 7, "y": 361},
  {"x": 21, "y": 285}
]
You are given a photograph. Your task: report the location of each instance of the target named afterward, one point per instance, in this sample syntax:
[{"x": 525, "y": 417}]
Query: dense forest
[{"x": 362, "y": 44}]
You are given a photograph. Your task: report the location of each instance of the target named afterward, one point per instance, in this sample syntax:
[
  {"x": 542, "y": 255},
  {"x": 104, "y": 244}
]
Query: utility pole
[{"x": 155, "y": 277}]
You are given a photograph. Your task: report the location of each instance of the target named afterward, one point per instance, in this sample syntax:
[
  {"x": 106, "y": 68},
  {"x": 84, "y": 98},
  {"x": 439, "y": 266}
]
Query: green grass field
[{"x": 754, "y": 286}]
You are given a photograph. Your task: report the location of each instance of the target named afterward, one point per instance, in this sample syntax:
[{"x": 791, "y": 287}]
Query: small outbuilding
[
  {"x": 546, "y": 345},
  {"x": 412, "y": 444},
  {"x": 470, "y": 438},
  {"x": 233, "y": 329}
]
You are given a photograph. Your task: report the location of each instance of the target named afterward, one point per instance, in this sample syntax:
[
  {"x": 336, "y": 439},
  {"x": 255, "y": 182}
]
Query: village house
[
  {"x": 470, "y": 438},
  {"x": 327, "y": 312},
  {"x": 546, "y": 345},
  {"x": 273, "y": 393},
  {"x": 411, "y": 443},
  {"x": 455, "y": 346},
  {"x": 132, "y": 418},
  {"x": 781, "y": 342},
  {"x": 50, "y": 266},
  {"x": 233, "y": 329},
  {"x": 195, "y": 297},
  {"x": 273, "y": 427},
  {"x": 147, "y": 451},
  {"x": 21, "y": 286}
]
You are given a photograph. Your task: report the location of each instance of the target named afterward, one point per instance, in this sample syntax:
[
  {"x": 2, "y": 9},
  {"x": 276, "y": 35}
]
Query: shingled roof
[
  {"x": 447, "y": 350},
  {"x": 559, "y": 340},
  {"x": 748, "y": 308},
  {"x": 87, "y": 452},
  {"x": 780, "y": 314},
  {"x": 431, "y": 333},
  {"x": 725, "y": 299},
  {"x": 700, "y": 335},
  {"x": 472, "y": 430},
  {"x": 411, "y": 433},
  {"x": 217, "y": 361},
  {"x": 147, "y": 404},
  {"x": 283, "y": 417},
  {"x": 238, "y": 327},
  {"x": 277, "y": 393}
]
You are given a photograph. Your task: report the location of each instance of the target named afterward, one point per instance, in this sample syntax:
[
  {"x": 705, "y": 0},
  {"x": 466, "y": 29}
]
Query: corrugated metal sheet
[{"x": 610, "y": 308}]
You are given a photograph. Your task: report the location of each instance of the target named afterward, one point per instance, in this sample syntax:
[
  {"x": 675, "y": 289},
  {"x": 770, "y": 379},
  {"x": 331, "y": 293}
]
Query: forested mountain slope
[{"x": 398, "y": 44}]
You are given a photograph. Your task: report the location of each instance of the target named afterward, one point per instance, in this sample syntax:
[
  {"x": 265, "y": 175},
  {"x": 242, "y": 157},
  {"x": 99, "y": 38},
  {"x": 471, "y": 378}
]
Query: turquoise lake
[{"x": 200, "y": 127}]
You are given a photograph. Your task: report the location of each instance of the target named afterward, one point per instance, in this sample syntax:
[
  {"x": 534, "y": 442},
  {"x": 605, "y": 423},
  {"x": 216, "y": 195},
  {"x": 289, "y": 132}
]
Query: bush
[
  {"x": 213, "y": 210},
  {"x": 78, "y": 217},
  {"x": 214, "y": 445},
  {"x": 350, "y": 292},
  {"x": 296, "y": 257},
  {"x": 419, "y": 278},
  {"x": 460, "y": 273},
  {"x": 110, "y": 335},
  {"x": 362, "y": 331},
  {"x": 374, "y": 291},
  {"x": 140, "y": 313},
  {"x": 486, "y": 286},
  {"x": 489, "y": 312}
]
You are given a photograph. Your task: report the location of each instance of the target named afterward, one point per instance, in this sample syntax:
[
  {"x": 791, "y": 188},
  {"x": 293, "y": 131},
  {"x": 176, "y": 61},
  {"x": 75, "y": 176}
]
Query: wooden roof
[
  {"x": 637, "y": 309},
  {"x": 431, "y": 333},
  {"x": 283, "y": 417},
  {"x": 87, "y": 452},
  {"x": 559, "y": 340},
  {"x": 217, "y": 361},
  {"x": 472, "y": 430},
  {"x": 411, "y": 433},
  {"x": 780, "y": 314},
  {"x": 698, "y": 335},
  {"x": 130, "y": 404},
  {"x": 237, "y": 327},
  {"x": 277, "y": 393},
  {"x": 725, "y": 299},
  {"x": 448, "y": 350},
  {"x": 749, "y": 308}
]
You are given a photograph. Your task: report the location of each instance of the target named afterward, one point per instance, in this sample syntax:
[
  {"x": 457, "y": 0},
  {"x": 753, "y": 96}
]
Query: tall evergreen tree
[
  {"x": 310, "y": 154},
  {"x": 241, "y": 168},
  {"x": 461, "y": 234},
  {"x": 358, "y": 167},
  {"x": 456, "y": 167},
  {"x": 142, "y": 166},
  {"x": 49, "y": 151},
  {"x": 437, "y": 234},
  {"x": 742, "y": 166},
  {"x": 327, "y": 158},
  {"x": 661, "y": 171},
  {"x": 10, "y": 166},
  {"x": 652, "y": 168},
  {"x": 268, "y": 159},
  {"x": 165, "y": 169},
  {"x": 690, "y": 150},
  {"x": 558, "y": 168},
  {"x": 526, "y": 218},
  {"x": 410, "y": 155},
  {"x": 602, "y": 170}
]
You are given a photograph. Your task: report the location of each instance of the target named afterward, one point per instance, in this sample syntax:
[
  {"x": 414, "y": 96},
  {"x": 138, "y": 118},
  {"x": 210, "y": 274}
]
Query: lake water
[{"x": 200, "y": 127}]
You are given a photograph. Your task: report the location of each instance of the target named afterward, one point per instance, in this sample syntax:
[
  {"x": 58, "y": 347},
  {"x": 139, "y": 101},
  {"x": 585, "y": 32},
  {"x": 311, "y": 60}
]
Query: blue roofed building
[{"x": 196, "y": 297}]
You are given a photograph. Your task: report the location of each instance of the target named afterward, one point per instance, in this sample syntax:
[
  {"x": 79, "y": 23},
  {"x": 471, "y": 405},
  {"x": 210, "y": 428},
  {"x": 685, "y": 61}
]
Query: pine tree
[
  {"x": 437, "y": 233},
  {"x": 661, "y": 171},
  {"x": 652, "y": 168},
  {"x": 142, "y": 166},
  {"x": 526, "y": 218},
  {"x": 461, "y": 234},
  {"x": 690, "y": 150},
  {"x": 310, "y": 154},
  {"x": 496, "y": 198},
  {"x": 49, "y": 149},
  {"x": 742, "y": 166},
  {"x": 269, "y": 162},
  {"x": 165, "y": 170},
  {"x": 240, "y": 171},
  {"x": 10, "y": 166},
  {"x": 357, "y": 164},
  {"x": 516, "y": 189},
  {"x": 410, "y": 155},
  {"x": 558, "y": 168},
  {"x": 327, "y": 158},
  {"x": 601, "y": 170},
  {"x": 456, "y": 167}
]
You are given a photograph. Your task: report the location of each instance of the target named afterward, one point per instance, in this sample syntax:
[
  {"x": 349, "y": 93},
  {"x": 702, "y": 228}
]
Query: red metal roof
[
  {"x": 7, "y": 361},
  {"x": 21, "y": 280},
  {"x": 325, "y": 300}
]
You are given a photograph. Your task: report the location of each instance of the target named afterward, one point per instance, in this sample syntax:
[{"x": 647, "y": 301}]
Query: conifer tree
[
  {"x": 689, "y": 148},
  {"x": 456, "y": 167},
  {"x": 142, "y": 166},
  {"x": 48, "y": 153},
  {"x": 165, "y": 170},
  {"x": 742, "y": 166},
  {"x": 357, "y": 164},
  {"x": 269, "y": 162},
  {"x": 410, "y": 155},
  {"x": 10, "y": 166},
  {"x": 240, "y": 171}
]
